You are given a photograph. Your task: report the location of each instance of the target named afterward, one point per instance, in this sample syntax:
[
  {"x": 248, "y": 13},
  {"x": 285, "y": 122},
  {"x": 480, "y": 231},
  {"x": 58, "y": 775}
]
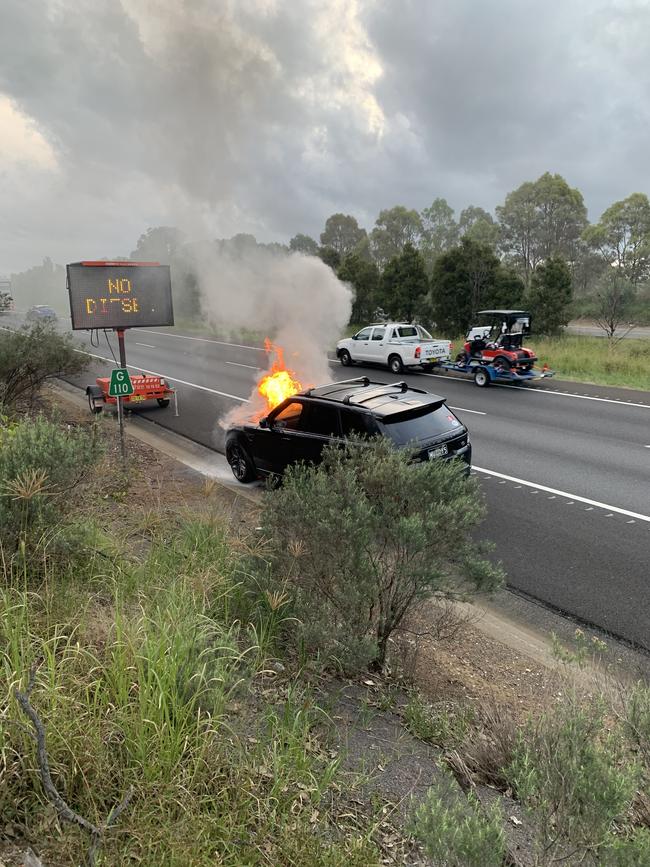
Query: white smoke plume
[{"x": 295, "y": 300}]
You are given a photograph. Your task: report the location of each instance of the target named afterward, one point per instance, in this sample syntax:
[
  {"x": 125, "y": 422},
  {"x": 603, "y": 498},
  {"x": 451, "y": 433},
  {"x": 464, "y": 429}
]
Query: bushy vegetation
[
  {"x": 145, "y": 681},
  {"x": 365, "y": 536},
  {"x": 458, "y": 830},
  {"x": 576, "y": 779},
  {"x": 41, "y": 465},
  {"x": 31, "y": 355}
]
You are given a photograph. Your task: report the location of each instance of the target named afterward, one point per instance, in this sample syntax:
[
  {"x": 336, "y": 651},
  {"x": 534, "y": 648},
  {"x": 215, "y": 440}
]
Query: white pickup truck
[{"x": 394, "y": 344}]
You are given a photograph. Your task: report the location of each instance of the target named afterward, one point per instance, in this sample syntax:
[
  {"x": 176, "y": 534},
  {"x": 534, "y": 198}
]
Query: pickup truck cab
[{"x": 395, "y": 345}]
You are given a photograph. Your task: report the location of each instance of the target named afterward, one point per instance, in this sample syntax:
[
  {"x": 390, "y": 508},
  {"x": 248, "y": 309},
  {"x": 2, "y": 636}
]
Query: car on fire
[{"x": 300, "y": 427}]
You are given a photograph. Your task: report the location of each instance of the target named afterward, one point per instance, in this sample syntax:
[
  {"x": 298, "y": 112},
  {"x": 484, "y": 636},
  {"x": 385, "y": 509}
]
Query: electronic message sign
[{"x": 119, "y": 295}]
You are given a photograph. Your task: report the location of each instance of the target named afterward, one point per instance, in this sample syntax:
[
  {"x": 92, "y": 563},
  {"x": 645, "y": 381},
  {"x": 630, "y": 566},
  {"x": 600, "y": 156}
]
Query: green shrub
[
  {"x": 41, "y": 464},
  {"x": 31, "y": 355},
  {"x": 575, "y": 779},
  {"x": 457, "y": 830},
  {"x": 366, "y": 535}
]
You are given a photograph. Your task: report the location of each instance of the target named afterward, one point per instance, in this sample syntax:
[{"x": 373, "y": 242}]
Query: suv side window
[
  {"x": 290, "y": 417},
  {"x": 356, "y": 423},
  {"x": 364, "y": 334},
  {"x": 322, "y": 420},
  {"x": 378, "y": 333}
]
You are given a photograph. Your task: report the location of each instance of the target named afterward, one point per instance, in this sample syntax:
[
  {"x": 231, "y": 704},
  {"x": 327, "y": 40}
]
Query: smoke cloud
[{"x": 295, "y": 300}]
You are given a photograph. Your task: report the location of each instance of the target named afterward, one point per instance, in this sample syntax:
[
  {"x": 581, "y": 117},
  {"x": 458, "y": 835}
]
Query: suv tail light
[{"x": 418, "y": 350}]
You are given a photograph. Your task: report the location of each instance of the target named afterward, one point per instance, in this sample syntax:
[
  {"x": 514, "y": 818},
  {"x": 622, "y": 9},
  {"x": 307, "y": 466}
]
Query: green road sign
[{"x": 121, "y": 385}]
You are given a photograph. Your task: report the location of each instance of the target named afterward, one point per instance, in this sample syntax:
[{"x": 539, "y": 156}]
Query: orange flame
[{"x": 281, "y": 382}]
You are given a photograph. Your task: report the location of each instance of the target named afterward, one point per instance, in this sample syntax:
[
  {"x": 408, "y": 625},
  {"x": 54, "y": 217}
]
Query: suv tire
[
  {"x": 241, "y": 464},
  {"x": 345, "y": 358}
]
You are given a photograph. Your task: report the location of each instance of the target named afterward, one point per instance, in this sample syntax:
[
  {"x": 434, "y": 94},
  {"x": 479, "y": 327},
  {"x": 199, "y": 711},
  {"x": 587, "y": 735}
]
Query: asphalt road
[{"x": 565, "y": 468}]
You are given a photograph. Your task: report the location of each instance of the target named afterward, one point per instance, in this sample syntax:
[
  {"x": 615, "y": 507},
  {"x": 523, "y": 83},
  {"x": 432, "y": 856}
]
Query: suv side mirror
[
  {"x": 264, "y": 422},
  {"x": 355, "y": 336}
]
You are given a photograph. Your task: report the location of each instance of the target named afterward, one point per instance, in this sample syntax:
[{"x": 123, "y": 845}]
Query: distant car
[
  {"x": 301, "y": 426},
  {"x": 396, "y": 345},
  {"x": 41, "y": 313}
]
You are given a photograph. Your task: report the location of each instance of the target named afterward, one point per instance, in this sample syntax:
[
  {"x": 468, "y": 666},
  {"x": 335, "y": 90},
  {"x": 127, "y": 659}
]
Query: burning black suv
[{"x": 302, "y": 425}]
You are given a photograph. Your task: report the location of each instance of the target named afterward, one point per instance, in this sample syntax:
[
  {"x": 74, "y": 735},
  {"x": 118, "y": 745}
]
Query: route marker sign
[{"x": 120, "y": 385}]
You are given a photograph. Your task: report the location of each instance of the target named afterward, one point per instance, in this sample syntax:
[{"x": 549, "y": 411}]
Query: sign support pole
[{"x": 120, "y": 405}]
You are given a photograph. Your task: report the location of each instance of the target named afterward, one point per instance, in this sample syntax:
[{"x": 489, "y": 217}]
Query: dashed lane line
[
  {"x": 524, "y": 390},
  {"x": 148, "y": 345},
  {"x": 572, "y": 497},
  {"x": 463, "y": 409},
  {"x": 237, "y": 364},
  {"x": 174, "y": 379},
  {"x": 208, "y": 340}
]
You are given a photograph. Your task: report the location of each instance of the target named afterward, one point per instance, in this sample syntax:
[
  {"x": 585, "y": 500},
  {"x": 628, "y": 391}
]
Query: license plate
[
  {"x": 136, "y": 397},
  {"x": 438, "y": 452}
]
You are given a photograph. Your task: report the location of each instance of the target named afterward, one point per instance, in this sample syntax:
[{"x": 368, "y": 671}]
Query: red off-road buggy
[{"x": 497, "y": 339}]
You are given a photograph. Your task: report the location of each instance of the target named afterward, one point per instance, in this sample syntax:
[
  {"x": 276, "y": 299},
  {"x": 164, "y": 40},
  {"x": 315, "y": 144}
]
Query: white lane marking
[
  {"x": 531, "y": 390},
  {"x": 208, "y": 340},
  {"x": 646, "y": 447},
  {"x": 462, "y": 409},
  {"x": 617, "y": 400},
  {"x": 249, "y": 366},
  {"x": 173, "y": 379},
  {"x": 572, "y": 497},
  {"x": 148, "y": 345}
]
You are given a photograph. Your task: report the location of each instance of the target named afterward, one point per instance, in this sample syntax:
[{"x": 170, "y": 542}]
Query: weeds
[
  {"x": 588, "y": 359},
  {"x": 443, "y": 725},
  {"x": 457, "y": 829},
  {"x": 577, "y": 781},
  {"x": 163, "y": 700}
]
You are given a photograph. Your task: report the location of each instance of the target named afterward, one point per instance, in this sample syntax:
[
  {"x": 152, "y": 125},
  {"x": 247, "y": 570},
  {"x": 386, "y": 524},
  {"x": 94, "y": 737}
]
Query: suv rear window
[
  {"x": 357, "y": 424},
  {"x": 420, "y": 425}
]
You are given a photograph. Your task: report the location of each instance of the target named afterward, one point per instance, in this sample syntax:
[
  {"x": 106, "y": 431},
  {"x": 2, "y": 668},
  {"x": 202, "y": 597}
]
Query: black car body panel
[{"x": 300, "y": 427}]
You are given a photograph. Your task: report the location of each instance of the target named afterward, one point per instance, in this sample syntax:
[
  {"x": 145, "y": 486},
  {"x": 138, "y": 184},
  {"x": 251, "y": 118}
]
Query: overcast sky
[{"x": 266, "y": 116}]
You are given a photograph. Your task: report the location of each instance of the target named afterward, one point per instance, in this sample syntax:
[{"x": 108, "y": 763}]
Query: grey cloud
[{"x": 224, "y": 113}]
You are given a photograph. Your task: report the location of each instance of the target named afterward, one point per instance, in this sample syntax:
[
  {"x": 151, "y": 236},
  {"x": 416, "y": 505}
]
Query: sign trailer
[{"x": 120, "y": 295}]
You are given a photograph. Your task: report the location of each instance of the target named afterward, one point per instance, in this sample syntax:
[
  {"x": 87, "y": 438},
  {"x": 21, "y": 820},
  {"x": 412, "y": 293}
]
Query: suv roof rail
[
  {"x": 403, "y": 386},
  {"x": 333, "y": 386}
]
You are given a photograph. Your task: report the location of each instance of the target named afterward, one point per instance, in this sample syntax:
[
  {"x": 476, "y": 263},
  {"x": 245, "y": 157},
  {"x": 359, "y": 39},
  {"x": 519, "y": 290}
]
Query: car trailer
[
  {"x": 485, "y": 374},
  {"x": 144, "y": 388}
]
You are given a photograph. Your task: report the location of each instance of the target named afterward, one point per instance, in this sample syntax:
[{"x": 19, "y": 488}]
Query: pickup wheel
[
  {"x": 395, "y": 364},
  {"x": 241, "y": 464},
  {"x": 345, "y": 358},
  {"x": 481, "y": 377},
  {"x": 163, "y": 401}
]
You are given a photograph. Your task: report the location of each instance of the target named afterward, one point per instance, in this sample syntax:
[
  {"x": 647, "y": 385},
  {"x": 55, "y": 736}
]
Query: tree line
[{"x": 538, "y": 250}]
